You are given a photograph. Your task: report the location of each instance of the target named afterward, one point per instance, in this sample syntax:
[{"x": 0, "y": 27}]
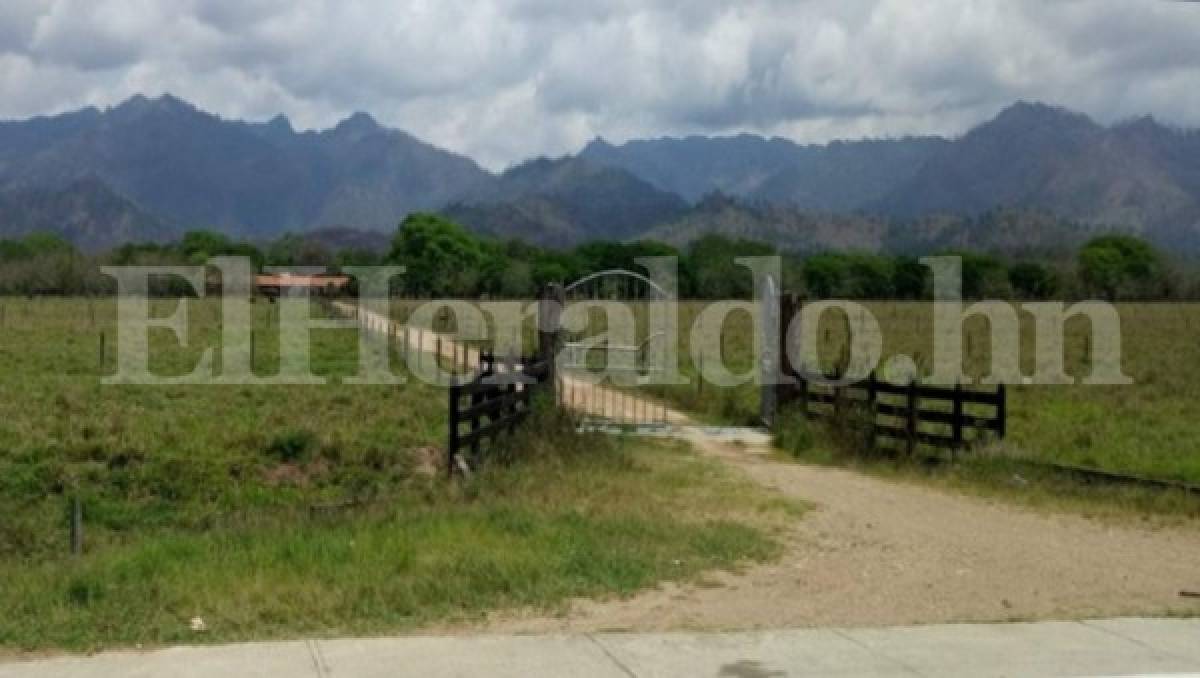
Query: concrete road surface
[{"x": 1119, "y": 647}]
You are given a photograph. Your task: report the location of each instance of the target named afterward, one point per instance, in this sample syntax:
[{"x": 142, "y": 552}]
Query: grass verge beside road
[{"x": 595, "y": 517}]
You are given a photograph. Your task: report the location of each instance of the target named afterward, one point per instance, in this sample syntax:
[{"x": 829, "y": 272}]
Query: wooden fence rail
[
  {"x": 493, "y": 402},
  {"x": 912, "y": 414}
]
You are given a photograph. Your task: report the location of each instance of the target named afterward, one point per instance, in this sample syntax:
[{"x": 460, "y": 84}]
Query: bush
[
  {"x": 291, "y": 446},
  {"x": 793, "y": 432},
  {"x": 550, "y": 434}
]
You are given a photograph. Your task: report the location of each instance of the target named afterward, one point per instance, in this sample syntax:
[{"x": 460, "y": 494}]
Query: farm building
[{"x": 276, "y": 284}]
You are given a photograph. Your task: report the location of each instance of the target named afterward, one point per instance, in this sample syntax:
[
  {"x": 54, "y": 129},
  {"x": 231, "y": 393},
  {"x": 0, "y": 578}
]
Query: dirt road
[{"x": 877, "y": 552}]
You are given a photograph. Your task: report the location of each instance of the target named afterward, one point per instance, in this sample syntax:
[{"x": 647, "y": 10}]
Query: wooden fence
[
  {"x": 495, "y": 401},
  {"x": 913, "y": 414}
]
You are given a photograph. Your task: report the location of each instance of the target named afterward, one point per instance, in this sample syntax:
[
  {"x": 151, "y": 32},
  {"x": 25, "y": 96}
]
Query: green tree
[
  {"x": 1033, "y": 280},
  {"x": 910, "y": 279},
  {"x": 1119, "y": 266},
  {"x": 441, "y": 257},
  {"x": 14, "y": 250},
  {"x": 42, "y": 243},
  {"x": 711, "y": 272},
  {"x": 200, "y": 246},
  {"x": 556, "y": 267},
  {"x": 825, "y": 275},
  {"x": 870, "y": 277},
  {"x": 983, "y": 276}
]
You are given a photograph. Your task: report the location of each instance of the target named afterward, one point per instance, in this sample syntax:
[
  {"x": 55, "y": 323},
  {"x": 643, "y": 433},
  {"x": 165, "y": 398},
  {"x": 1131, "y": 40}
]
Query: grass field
[{"x": 274, "y": 511}]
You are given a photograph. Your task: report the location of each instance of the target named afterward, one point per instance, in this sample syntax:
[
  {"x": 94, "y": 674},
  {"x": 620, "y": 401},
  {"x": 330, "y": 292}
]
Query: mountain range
[{"x": 148, "y": 169}]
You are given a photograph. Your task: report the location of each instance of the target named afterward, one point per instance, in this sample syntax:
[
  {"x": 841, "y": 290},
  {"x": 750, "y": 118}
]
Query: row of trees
[{"x": 444, "y": 259}]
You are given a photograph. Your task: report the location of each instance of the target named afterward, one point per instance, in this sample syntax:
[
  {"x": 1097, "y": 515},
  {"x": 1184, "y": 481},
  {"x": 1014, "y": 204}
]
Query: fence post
[
  {"x": 872, "y": 410},
  {"x": 487, "y": 367},
  {"x": 100, "y": 359},
  {"x": 476, "y": 447},
  {"x": 958, "y": 419},
  {"x": 452, "y": 443},
  {"x": 550, "y": 307},
  {"x": 1002, "y": 410},
  {"x": 912, "y": 416}
]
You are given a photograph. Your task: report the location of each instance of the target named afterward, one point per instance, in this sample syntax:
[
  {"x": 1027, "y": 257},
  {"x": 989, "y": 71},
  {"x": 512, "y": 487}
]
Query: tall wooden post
[
  {"x": 452, "y": 443},
  {"x": 958, "y": 418},
  {"x": 476, "y": 445},
  {"x": 550, "y": 308},
  {"x": 872, "y": 407},
  {"x": 913, "y": 414},
  {"x": 1001, "y": 411}
]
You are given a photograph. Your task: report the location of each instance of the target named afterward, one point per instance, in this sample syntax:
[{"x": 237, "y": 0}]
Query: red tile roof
[{"x": 293, "y": 280}]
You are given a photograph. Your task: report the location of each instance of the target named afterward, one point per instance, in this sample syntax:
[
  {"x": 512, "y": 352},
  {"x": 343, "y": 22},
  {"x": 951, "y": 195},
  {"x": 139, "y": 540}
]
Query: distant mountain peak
[
  {"x": 140, "y": 105},
  {"x": 281, "y": 123},
  {"x": 597, "y": 144},
  {"x": 358, "y": 124},
  {"x": 536, "y": 164},
  {"x": 168, "y": 100},
  {"x": 1028, "y": 114}
]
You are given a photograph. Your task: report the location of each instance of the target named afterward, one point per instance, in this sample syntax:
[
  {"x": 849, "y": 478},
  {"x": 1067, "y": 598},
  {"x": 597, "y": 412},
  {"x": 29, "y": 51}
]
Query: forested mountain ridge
[
  {"x": 151, "y": 168},
  {"x": 566, "y": 201},
  {"x": 191, "y": 168}
]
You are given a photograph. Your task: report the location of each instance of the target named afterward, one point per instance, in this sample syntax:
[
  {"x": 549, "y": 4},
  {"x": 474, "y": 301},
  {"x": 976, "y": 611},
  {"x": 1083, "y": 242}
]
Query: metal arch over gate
[
  {"x": 606, "y": 379},
  {"x": 596, "y": 285}
]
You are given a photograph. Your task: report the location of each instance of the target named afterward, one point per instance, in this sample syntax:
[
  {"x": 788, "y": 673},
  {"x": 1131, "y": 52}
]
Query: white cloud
[{"x": 504, "y": 79}]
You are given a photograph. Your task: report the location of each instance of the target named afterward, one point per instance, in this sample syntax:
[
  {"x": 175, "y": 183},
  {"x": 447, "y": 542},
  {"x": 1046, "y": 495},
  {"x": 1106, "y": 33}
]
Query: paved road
[{"x": 1120, "y": 647}]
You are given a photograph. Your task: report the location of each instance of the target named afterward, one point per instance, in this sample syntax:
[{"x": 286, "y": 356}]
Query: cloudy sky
[{"x": 501, "y": 80}]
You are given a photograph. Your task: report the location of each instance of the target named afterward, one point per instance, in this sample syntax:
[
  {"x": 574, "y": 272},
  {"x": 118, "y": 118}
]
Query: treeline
[{"x": 443, "y": 259}]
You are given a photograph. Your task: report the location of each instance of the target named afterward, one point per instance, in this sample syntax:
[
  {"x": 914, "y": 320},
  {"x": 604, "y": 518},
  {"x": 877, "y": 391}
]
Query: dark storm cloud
[{"x": 504, "y": 79}]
